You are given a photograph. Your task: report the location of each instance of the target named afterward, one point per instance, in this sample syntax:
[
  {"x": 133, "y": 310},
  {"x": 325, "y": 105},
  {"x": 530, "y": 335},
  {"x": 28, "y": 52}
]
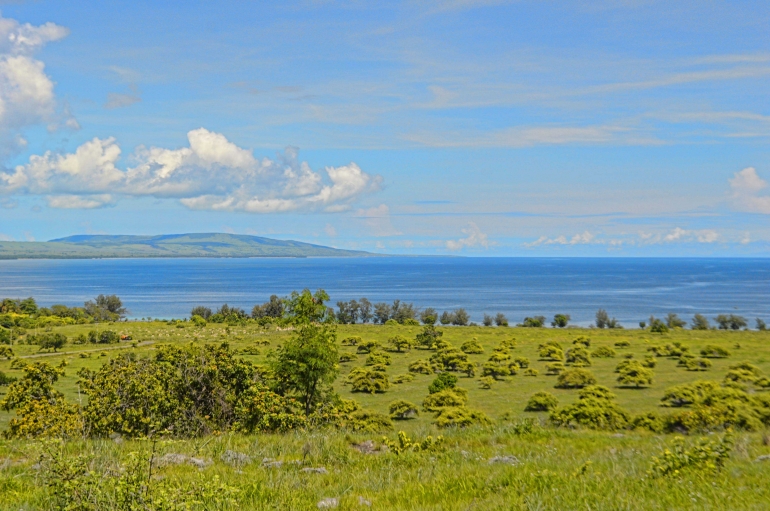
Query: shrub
[
  {"x": 421, "y": 367},
  {"x": 5, "y": 379},
  {"x": 622, "y": 344},
  {"x": 650, "y": 421},
  {"x": 700, "y": 322},
  {"x": 698, "y": 364},
  {"x": 391, "y": 322},
  {"x": 445, "y": 398},
  {"x": 261, "y": 410},
  {"x": 377, "y": 358},
  {"x": 522, "y": 362},
  {"x": 351, "y": 341},
  {"x": 449, "y": 358},
  {"x": 460, "y": 417},
  {"x": 402, "y": 410},
  {"x": 368, "y": 380},
  {"x": 595, "y": 409},
  {"x": 367, "y": 346},
  {"x": 551, "y": 352},
  {"x": 560, "y": 320},
  {"x": 399, "y": 343},
  {"x": 347, "y": 357},
  {"x": 486, "y": 382},
  {"x": 582, "y": 341},
  {"x": 472, "y": 347},
  {"x": 635, "y": 374},
  {"x": 365, "y": 421},
  {"x": 531, "y": 371},
  {"x": 578, "y": 357},
  {"x": 533, "y": 322},
  {"x": 712, "y": 351},
  {"x": 108, "y": 337},
  {"x": 405, "y": 444},
  {"x": 649, "y": 362},
  {"x": 410, "y": 322},
  {"x": 443, "y": 381},
  {"x": 501, "y": 320},
  {"x": 402, "y": 378},
  {"x": 688, "y": 394},
  {"x": 6, "y": 352},
  {"x": 542, "y": 402},
  {"x": 731, "y": 322},
  {"x": 706, "y": 455},
  {"x": 554, "y": 368},
  {"x": 428, "y": 337},
  {"x": 198, "y": 321},
  {"x": 575, "y": 379},
  {"x": 603, "y": 352}
]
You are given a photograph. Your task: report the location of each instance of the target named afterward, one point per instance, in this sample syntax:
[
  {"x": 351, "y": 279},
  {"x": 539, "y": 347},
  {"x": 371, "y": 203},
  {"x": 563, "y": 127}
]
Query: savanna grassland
[{"x": 520, "y": 460}]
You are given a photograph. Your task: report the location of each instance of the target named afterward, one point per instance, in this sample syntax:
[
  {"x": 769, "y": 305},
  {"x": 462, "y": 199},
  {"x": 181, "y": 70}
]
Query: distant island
[{"x": 87, "y": 246}]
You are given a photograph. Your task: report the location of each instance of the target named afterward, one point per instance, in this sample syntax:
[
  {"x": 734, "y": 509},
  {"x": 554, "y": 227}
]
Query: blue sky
[{"x": 538, "y": 128}]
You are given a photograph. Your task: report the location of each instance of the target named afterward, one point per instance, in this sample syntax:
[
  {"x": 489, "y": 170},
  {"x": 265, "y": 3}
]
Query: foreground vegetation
[{"x": 295, "y": 409}]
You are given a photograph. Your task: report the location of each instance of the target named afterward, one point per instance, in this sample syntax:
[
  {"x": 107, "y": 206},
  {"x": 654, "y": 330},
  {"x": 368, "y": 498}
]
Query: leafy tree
[
  {"x": 560, "y": 320},
  {"x": 399, "y": 343},
  {"x": 201, "y": 311},
  {"x": 674, "y": 321},
  {"x": 602, "y": 319},
  {"x": 635, "y": 374},
  {"x": 657, "y": 326},
  {"x": 731, "y": 322},
  {"x": 273, "y": 308},
  {"x": 542, "y": 402},
  {"x": 29, "y": 306},
  {"x": 306, "y": 364},
  {"x": 501, "y": 320},
  {"x": 447, "y": 318},
  {"x": 5, "y": 336},
  {"x": 364, "y": 310},
  {"x": 443, "y": 381},
  {"x": 428, "y": 337},
  {"x": 109, "y": 337},
  {"x": 488, "y": 320},
  {"x": 382, "y": 312},
  {"x": 449, "y": 358},
  {"x": 533, "y": 322},
  {"x": 460, "y": 317},
  {"x": 575, "y": 379},
  {"x": 369, "y": 380},
  {"x": 402, "y": 410},
  {"x": 259, "y": 410},
  {"x": 403, "y": 312},
  {"x": 105, "y": 307},
  {"x": 761, "y": 325},
  {"x": 306, "y": 307},
  {"x": 700, "y": 322},
  {"x": 198, "y": 321},
  {"x": 472, "y": 347},
  {"x": 429, "y": 316},
  {"x": 53, "y": 342}
]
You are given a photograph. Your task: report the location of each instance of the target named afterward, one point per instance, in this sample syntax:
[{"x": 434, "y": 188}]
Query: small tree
[
  {"x": 731, "y": 322},
  {"x": 533, "y": 322},
  {"x": 428, "y": 337},
  {"x": 560, "y": 320},
  {"x": 578, "y": 357},
  {"x": 602, "y": 319},
  {"x": 447, "y": 318},
  {"x": 399, "y": 343},
  {"x": 402, "y": 410},
  {"x": 200, "y": 310},
  {"x": 700, "y": 322},
  {"x": 305, "y": 307},
  {"x": 761, "y": 325},
  {"x": 488, "y": 320},
  {"x": 501, "y": 320},
  {"x": 429, "y": 316},
  {"x": 53, "y": 342},
  {"x": 472, "y": 347},
  {"x": 551, "y": 351},
  {"x": 442, "y": 382},
  {"x": 575, "y": 379},
  {"x": 460, "y": 317},
  {"x": 674, "y": 321}
]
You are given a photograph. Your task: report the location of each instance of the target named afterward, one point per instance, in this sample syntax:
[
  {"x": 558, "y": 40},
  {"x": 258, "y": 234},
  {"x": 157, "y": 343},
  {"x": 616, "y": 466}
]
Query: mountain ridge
[{"x": 88, "y": 246}]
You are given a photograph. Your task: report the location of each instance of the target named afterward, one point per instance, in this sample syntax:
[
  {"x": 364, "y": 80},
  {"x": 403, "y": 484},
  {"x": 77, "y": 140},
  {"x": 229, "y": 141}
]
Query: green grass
[{"x": 460, "y": 477}]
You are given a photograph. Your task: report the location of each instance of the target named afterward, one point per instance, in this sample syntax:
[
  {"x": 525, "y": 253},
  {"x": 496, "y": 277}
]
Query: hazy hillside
[{"x": 168, "y": 245}]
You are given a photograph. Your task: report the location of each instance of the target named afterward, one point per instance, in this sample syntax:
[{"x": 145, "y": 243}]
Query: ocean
[{"x": 630, "y": 289}]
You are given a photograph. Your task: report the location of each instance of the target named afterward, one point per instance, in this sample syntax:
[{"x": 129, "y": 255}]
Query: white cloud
[
  {"x": 26, "y": 92},
  {"x": 212, "y": 173},
  {"x": 474, "y": 238},
  {"x": 747, "y": 192},
  {"x": 79, "y": 202},
  {"x": 584, "y": 238},
  {"x": 378, "y": 221},
  {"x": 330, "y": 230},
  {"x": 679, "y": 235}
]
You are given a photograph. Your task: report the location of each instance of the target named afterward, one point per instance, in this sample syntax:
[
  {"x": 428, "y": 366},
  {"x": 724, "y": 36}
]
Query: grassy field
[{"x": 553, "y": 468}]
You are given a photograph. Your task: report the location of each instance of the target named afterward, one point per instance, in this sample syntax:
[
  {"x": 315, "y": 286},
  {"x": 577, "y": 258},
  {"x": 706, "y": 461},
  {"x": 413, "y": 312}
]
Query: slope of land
[{"x": 168, "y": 245}]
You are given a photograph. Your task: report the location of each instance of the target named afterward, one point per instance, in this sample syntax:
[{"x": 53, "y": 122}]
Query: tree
[
  {"x": 273, "y": 308},
  {"x": 364, "y": 310},
  {"x": 428, "y": 337},
  {"x": 560, "y": 320},
  {"x": 533, "y": 322},
  {"x": 488, "y": 320},
  {"x": 307, "y": 364},
  {"x": 578, "y": 356},
  {"x": 447, "y": 318},
  {"x": 460, "y": 317},
  {"x": 674, "y": 321},
  {"x": 429, "y": 316},
  {"x": 634, "y": 374},
  {"x": 305, "y": 307},
  {"x": 761, "y": 325},
  {"x": 602, "y": 319},
  {"x": 442, "y": 382},
  {"x": 382, "y": 312},
  {"x": 542, "y": 402},
  {"x": 29, "y": 306},
  {"x": 657, "y": 326},
  {"x": 501, "y": 320},
  {"x": 105, "y": 308},
  {"x": 731, "y": 322},
  {"x": 402, "y": 312},
  {"x": 402, "y": 410},
  {"x": 201, "y": 311},
  {"x": 399, "y": 343},
  {"x": 53, "y": 342},
  {"x": 575, "y": 379},
  {"x": 472, "y": 347},
  {"x": 700, "y": 322}
]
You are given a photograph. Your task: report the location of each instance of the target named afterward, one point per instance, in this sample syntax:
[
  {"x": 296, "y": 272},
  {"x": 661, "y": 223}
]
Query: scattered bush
[
  {"x": 542, "y": 402},
  {"x": 460, "y": 417},
  {"x": 533, "y": 322},
  {"x": 472, "y": 347},
  {"x": 712, "y": 351},
  {"x": 554, "y": 368},
  {"x": 486, "y": 382},
  {"x": 402, "y": 410},
  {"x": 697, "y": 364},
  {"x": 364, "y": 347},
  {"x": 377, "y": 358},
  {"x": 369, "y": 380},
  {"x": 578, "y": 357},
  {"x": 575, "y": 379},
  {"x": 456, "y": 397},
  {"x": 351, "y": 341},
  {"x": 634, "y": 374},
  {"x": 402, "y": 378},
  {"x": 622, "y": 344},
  {"x": 595, "y": 409},
  {"x": 347, "y": 357},
  {"x": 531, "y": 371},
  {"x": 365, "y": 421},
  {"x": 522, "y": 362},
  {"x": 560, "y": 320},
  {"x": 707, "y": 455},
  {"x": 603, "y": 352},
  {"x": 443, "y": 381},
  {"x": 405, "y": 444},
  {"x": 399, "y": 343},
  {"x": 420, "y": 367},
  {"x": 551, "y": 351}
]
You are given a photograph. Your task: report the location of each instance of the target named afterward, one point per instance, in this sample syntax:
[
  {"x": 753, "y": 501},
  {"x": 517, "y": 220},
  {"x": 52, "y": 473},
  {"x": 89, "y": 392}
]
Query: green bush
[
  {"x": 634, "y": 374},
  {"x": 421, "y": 367},
  {"x": 443, "y": 381},
  {"x": 603, "y": 352},
  {"x": 351, "y": 341},
  {"x": 712, "y": 351},
  {"x": 706, "y": 455},
  {"x": 402, "y": 410},
  {"x": 399, "y": 343},
  {"x": 460, "y": 417},
  {"x": 364, "y": 347},
  {"x": 347, "y": 357},
  {"x": 365, "y": 421},
  {"x": 531, "y": 371},
  {"x": 575, "y": 379},
  {"x": 595, "y": 409},
  {"x": 472, "y": 347},
  {"x": 582, "y": 341},
  {"x": 698, "y": 364},
  {"x": 578, "y": 357},
  {"x": 622, "y": 344},
  {"x": 402, "y": 378},
  {"x": 542, "y": 402},
  {"x": 522, "y": 362},
  {"x": 551, "y": 351},
  {"x": 456, "y": 397},
  {"x": 377, "y": 358},
  {"x": 554, "y": 368},
  {"x": 368, "y": 379}
]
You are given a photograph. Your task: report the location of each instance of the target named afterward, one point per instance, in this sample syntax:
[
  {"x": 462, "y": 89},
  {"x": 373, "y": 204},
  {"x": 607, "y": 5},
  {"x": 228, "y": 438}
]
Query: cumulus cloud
[
  {"x": 212, "y": 173},
  {"x": 26, "y": 92},
  {"x": 474, "y": 238},
  {"x": 378, "y": 221},
  {"x": 747, "y": 192}
]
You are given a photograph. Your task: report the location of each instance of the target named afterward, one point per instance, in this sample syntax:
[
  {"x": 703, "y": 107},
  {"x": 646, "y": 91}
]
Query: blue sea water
[{"x": 629, "y": 289}]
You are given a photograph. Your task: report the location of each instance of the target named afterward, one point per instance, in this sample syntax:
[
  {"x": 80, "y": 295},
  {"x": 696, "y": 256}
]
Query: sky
[{"x": 450, "y": 127}]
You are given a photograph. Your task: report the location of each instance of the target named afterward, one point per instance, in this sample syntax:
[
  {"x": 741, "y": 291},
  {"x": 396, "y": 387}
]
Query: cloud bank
[
  {"x": 748, "y": 192},
  {"x": 211, "y": 173}
]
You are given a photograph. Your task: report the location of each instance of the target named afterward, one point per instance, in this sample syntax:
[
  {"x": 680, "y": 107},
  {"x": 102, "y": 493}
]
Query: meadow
[{"x": 520, "y": 461}]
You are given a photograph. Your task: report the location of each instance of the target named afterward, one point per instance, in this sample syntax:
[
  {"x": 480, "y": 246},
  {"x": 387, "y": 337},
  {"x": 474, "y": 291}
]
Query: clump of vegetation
[
  {"x": 634, "y": 374},
  {"x": 531, "y": 371},
  {"x": 377, "y": 358},
  {"x": 402, "y": 378},
  {"x": 575, "y": 379},
  {"x": 578, "y": 357},
  {"x": 404, "y": 444},
  {"x": 347, "y": 357},
  {"x": 622, "y": 344},
  {"x": 711, "y": 351},
  {"x": 399, "y": 344},
  {"x": 443, "y": 381},
  {"x": 472, "y": 347},
  {"x": 369, "y": 380},
  {"x": 560, "y": 320},
  {"x": 551, "y": 351},
  {"x": 533, "y": 322},
  {"x": 697, "y": 364},
  {"x": 706, "y": 455},
  {"x": 595, "y": 409},
  {"x": 402, "y": 410},
  {"x": 542, "y": 402},
  {"x": 554, "y": 368},
  {"x": 421, "y": 367},
  {"x": 603, "y": 352}
]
